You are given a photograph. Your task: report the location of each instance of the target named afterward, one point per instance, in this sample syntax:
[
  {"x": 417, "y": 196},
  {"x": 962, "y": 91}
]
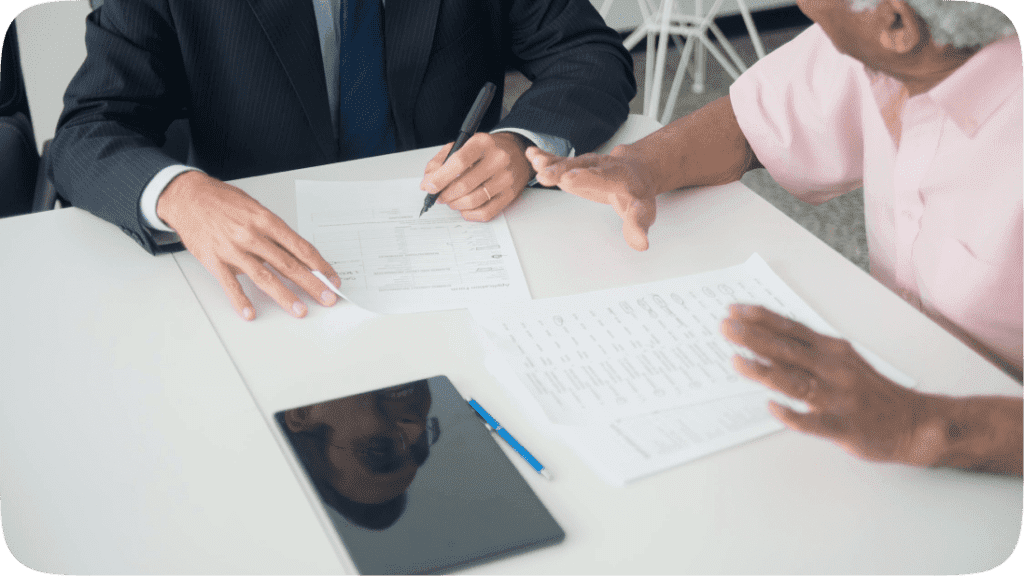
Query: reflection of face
[{"x": 376, "y": 441}]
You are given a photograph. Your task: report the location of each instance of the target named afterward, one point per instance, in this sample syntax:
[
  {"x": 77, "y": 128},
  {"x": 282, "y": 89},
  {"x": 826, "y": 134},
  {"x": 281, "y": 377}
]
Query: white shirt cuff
[
  {"x": 550, "y": 144},
  {"x": 151, "y": 194}
]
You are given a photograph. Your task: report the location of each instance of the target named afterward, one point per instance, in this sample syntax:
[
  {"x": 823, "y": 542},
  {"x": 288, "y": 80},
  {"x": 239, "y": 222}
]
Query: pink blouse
[{"x": 942, "y": 174}]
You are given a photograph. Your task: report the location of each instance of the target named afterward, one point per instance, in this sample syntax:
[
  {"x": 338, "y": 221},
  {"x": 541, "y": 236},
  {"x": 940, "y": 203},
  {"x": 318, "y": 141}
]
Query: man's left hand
[
  {"x": 849, "y": 402},
  {"x": 483, "y": 177}
]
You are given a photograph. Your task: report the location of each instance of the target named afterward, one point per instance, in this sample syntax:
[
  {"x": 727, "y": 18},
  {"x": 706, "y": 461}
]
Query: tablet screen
[{"x": 413, "y": 482}]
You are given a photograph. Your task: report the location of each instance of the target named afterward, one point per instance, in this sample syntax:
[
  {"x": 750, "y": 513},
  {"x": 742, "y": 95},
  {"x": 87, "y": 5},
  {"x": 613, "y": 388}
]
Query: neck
[{"x": 931, "y": 66}]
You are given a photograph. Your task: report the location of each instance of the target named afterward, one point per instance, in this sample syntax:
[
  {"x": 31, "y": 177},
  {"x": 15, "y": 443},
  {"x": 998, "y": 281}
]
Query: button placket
[{"x": 922, "y": 124}]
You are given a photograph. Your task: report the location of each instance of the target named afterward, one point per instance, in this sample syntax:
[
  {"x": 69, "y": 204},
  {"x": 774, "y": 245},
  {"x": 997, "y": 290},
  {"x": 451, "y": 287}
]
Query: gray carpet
[{"x": 839, "y": 222}]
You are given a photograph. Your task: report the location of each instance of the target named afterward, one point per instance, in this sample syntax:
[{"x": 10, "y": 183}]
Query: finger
[
  {"x": 498, "y": 185},
  {"x": 291, "y": 268},
  {"x": 637, "y": 217},
  {"x": 301, "y": 250},
  {"x": 540, "y": 159},
  {"x": 268, "y": 282},
  {"x": 483, "y": 194},
  {"x": 455, "y": 165},
  {"x": 234, "y": 291},
  {"x": 492, "y": 207},
  {"x": 595, "y": 183},
  {"x": 789, "y": 380},
  {"x": 776, "y": 323},
  {"x": 816, "y": 423},
  {"x": 779, "y": 349},
  {"x": 552, "y": 174},
  {"x": 437, "y": 160},
  {"x": 466, "y": 191}
]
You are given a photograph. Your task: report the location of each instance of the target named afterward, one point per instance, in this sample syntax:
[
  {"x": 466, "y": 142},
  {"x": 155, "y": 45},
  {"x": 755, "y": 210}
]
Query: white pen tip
[{"x": 545, "y": 473}]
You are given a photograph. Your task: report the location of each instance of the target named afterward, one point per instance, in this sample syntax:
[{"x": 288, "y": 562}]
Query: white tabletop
[{"x": 785, "y": 503}]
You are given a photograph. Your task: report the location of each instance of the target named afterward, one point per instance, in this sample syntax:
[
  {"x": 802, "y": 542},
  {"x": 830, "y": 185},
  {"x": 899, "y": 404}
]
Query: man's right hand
[
  {"x": 230, "y": 233},
  {"x": 619, "y": 179}
]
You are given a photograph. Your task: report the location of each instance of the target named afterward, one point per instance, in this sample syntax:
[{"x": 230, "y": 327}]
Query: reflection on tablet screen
[{"x": 401, "y": 501}]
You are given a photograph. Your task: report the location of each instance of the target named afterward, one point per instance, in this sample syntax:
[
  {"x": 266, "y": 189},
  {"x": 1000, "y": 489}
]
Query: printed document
[
  {"x": 640, "y": 378},
  {"x": 391, "y": 260}
]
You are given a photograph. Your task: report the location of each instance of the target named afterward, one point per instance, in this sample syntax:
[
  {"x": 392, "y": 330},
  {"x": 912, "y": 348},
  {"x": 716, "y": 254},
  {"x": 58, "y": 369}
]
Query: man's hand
[
  {"x": 231, "y": 234},
  {"x": 483, "y": 177},
  {"x": 849, "y": 402},
  {"x": 619, "y": 179}
]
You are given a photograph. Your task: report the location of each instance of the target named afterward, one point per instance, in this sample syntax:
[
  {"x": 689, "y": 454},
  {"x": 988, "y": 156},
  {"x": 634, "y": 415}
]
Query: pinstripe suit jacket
[{"x": 248, "y": 74}]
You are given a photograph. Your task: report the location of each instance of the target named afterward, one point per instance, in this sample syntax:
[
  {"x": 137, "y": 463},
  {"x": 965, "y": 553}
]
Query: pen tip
[{"x": 544, "y": 472}]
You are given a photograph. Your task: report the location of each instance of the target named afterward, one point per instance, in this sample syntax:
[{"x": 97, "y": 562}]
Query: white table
[{"x": 130, "y": 443}]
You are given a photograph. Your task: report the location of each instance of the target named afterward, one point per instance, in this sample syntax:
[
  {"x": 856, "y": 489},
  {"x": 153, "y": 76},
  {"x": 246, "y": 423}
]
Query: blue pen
[{"x": 501, "y": 431}]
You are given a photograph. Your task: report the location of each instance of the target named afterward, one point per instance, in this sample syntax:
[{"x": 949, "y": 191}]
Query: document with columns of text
[
  {"x": 640, "y": 378},
  {"x": 392, "y": 261}
]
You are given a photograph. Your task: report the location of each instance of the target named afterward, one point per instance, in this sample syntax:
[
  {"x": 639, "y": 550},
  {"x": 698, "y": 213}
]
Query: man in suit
[{"x": 273, "y": 85}]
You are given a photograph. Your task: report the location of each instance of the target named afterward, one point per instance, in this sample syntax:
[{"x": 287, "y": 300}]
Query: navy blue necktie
[{"x": 365, "y": 125}]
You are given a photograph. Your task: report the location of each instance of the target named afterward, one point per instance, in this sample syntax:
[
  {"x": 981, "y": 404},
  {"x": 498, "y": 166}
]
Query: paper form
[
  {"x": 631, "y": 448},
  {"x": 626, "y": 351},
  {"x": 639, "y": 378},
  {"x": 390, "y": 260}
]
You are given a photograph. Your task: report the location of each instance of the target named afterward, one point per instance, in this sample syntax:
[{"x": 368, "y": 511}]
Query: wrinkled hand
[
  {"x": 482, "y": 178},
  {"x": 849, "y": 402},
  {"x": 230, "y": 233},
  {"x": 619, "y": 179}
]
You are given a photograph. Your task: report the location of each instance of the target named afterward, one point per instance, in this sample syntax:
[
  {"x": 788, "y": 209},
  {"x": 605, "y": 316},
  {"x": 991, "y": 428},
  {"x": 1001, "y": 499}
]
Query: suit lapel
[
  {"x": 408, "y": 36},
  {"x": 290, "y": 26}
]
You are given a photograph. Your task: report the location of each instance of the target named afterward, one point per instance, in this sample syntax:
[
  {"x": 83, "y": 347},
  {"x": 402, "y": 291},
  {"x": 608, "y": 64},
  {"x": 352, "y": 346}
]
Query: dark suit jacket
[
  {"x": 248, "y": 75},
  {"x": 19, "y": 159}
]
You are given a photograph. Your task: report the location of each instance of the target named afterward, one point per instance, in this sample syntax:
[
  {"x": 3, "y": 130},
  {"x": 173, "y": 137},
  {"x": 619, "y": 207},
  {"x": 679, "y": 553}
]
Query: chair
[
  {"x": 49, "y": 90},
  {"x": 666, "y": 19},
  {"x": 19, "y": 158}
]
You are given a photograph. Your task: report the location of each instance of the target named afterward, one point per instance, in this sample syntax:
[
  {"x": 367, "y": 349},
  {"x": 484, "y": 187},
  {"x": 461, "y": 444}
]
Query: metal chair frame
[{"x": 663, "y": 21}]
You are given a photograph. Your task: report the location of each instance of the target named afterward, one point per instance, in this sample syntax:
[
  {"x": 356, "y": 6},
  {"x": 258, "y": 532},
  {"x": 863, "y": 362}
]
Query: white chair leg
[
  {"x": 649, "y": 71},
  {"x": 677, "y": 82},
  {"x": 634, "y": 38},
  {"x": 722, "y": 58},
  {"x": 659, "y": 66},
  {"x": 699, "y": 61},
  {"x": 751, "y": 30},
  {"x": 728, "y": 47}
]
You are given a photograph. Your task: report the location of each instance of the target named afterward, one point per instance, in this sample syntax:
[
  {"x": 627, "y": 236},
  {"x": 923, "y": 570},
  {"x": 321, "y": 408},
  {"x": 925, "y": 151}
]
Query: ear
[
  {"x": 299, "y": 419},
  {"x": 902, "y": 30}
]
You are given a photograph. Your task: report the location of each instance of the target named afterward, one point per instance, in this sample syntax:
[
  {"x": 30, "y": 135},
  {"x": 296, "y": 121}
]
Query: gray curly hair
[{"x": 959, "y": 24}]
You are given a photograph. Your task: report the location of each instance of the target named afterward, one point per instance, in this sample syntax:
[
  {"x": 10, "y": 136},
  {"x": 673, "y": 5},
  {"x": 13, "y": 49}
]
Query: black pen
[{"x": 469, "y": 126}]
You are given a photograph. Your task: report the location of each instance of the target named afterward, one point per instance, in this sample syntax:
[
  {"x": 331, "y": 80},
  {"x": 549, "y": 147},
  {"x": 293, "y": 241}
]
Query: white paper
[
  {"x": 638, "y": 379},
  {"x": 630, "y": 448},
  {"x": 390, "y": 260}
]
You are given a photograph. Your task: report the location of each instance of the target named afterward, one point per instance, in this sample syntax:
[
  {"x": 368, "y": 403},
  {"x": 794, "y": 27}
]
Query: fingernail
[
  {"x": 746, "y": 362},
  {"x": 745, "y": 310},
  {"x": 248, "y": 313},
  {"x": 328, "y": 298},
  {"x": 335, "y": 280},
  {"x": 430, "y": 188},
  {"x": 298, "y": 308}
]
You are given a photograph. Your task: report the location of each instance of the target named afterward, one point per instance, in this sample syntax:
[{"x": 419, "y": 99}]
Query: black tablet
[{"x": 413, "y": 481}]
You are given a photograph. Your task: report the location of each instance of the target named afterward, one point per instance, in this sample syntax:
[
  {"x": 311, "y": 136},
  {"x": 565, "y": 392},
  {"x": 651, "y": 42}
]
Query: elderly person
[{"x": 920, "y": 102}]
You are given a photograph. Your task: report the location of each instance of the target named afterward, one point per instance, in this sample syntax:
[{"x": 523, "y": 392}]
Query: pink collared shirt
[{"x": 942, "y": 173}]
